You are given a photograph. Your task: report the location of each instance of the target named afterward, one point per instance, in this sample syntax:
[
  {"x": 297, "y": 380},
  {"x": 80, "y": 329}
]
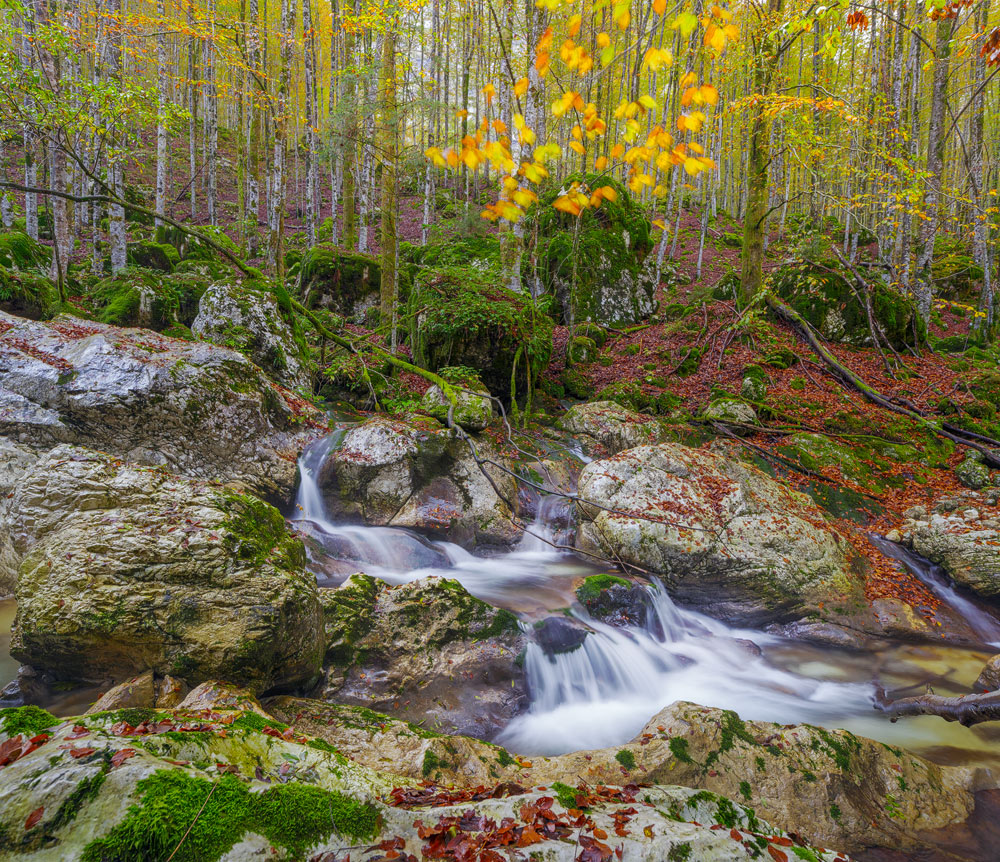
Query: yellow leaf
[
  {"x": 566, "y": 205},
  {"x": 573, "y": 26},
  {"x": 685, "y": 22},
  {"x": 600, "y": 163},
  {"x": 607, "y": 55},
  {"x": 617, "y": 151},
  {"x": 688, "y": 79},
  {"x": 577, "y": 147},
  {"x": 659, "y": 6},
  {"x": 692, "y": 166},
  {"x": 710, "y": 94},
  {"x": 521, "y": 87},
  {"x": 608, "y": 193}
]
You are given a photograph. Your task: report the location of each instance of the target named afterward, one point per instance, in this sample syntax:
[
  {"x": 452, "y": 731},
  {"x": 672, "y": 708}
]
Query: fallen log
[
  {"x": 852, "y": 380},
  {"x": 968, "y": 709}
]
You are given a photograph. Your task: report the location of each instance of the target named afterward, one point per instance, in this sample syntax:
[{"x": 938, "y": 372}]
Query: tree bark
[{"x": 387, "y": 143}]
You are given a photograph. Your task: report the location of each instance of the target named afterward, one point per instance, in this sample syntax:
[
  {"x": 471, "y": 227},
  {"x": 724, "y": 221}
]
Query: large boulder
[
  {"x": 830, "y": 786},
  {"x": 608, "y": 428},
  {"x": 126, "y": 568},
  {"x": 425, "y": 650},
  {"x": 417, "y": 474},
  {"x": 599, "y": 265},
  {"x": 15, "y": 461},
  {"x": 722, "y": 534},
  {"x": 826, "y": 297},
  {"x": 250, "y": 320},
  {"x": 461, "y": 316},
  {"x": 200, "y": 410},
  {"x": 150, "y": 298},
  {"x": 346, "y": 283},
  {"x": 962, "y": 535},
  {"x": 239, "y": 786}
]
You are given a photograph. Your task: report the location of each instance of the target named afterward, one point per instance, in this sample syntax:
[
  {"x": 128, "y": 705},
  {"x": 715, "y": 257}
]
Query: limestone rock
[
  {"x": 989, "y": 676},
  {"x": 200, "y": 410},
  {"x": 241, "y": 790},
  {"x": 835, "y": 788},
  {"x": 474, "y": 412},
  {"x": 611, "y": 427},
  {"x": 15, "y": 461},
  {"x": 135, "y": 692},
  {"x": 250, "y": 321},
  {"x": 127, "y": 568},
  {"x": 730, "y": 411},
  {"x": 402, "y": 650},
  {"x": 407, "y": 474},
  {"x": 966, "y": 547},
  {"x": 722, "y": 534},
  {"x": 972, "y": 472}
]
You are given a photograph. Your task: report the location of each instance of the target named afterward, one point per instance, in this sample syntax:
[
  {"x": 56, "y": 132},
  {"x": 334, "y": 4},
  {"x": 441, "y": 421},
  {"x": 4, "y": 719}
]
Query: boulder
[
  {"x": 425, "y": 650},
  {"x": 199, "y": 410},
  {"x": 249, "y": 320},
  {"x": 989, "y": 676},
  {"x": 557, "y": 635},
  {"x": 474, "y": 410},
  {"x": 416, "y": 474},
  {"x": 965, "y": 542},
  {"x": 241, "y": 787},
  {"x": 151, "y": 298},
  {"x": 608, "y": 428},
  {"x": 461, "y": 316},
  {"x": 972, "y": 472},
  {"x": 827, "y": 298},
  {"x": 145, "y": 691},
  {"x": 615, "y": 600},
  {"x": 730, "y": 412},
  {"x": 830, "y": 786},
  {"x": 722, "y": 534},
  {"x": 15, "y": 461},
  {"x": 346, "y": 283},
  {"x": 599, "y": 265},
  {"x": 125, "y": 569}
]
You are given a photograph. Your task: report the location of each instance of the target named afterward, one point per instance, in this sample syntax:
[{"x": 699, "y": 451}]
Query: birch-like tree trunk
[
  {"x": 161, "y": 114},
  {"x": 387, "y": 145},
  {"x": 210, "y": 92},
  {"x": 276, "y": 221},
  {"x": 117, "y": 236},
  {"x": 312, "y": 121}
]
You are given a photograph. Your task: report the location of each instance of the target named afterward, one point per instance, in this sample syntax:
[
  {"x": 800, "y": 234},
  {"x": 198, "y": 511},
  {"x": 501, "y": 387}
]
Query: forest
[{"x": 486, "y": 431}]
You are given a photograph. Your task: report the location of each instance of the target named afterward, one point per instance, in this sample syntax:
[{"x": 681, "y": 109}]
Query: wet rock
[
  {"x": 558, "y": 635},
  {"x": 15, "y": 461},
  {"x": 136, "y": 692},
  {"x": 614, "y": 600},
  {"x": 215, "y": 695},
  {"x": 241, "y": 790},
  {"x": 830, "y": 786},
  {"x": 968, "y": 549},
  {"x": 170, "y": 691},
  {"x": 424, "y": 651},
  {"x": 126, "y": 568},
  {"x": 200, "y": 410},
  {"x": 989, "y": 676},
  {"x": 250, "y": 321},
  {"x": 723, "y": 535},
  {"x": 474, "y": 410},
  {"x": 612, "y": 428},
  {"x": 417, "y": 474}
]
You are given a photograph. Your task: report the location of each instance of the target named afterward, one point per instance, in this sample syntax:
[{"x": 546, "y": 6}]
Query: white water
[{"x": 604, "y": 692}]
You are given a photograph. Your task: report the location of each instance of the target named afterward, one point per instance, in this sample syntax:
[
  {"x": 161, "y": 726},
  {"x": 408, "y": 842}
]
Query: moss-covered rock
[
  {"x": 347, "y": 283},
  {"x": 606, "y": 428},
  {"x": 731, "y": 412},
  {"x": 461, "y": 316},
  {"x": 19, "y": 252},
  {"x": 399, "y": 650},
  {"x": 473, "y": 412},
  {"x": 148, "y": 297},
  {"x": 828, "y": 300},
  {"x": 597, "y": 265},
  {"x": 28, "y": 294},
  {"x": 249, "y": 318},
  {"x": 153, "y": 255},
  {"x": 581, "y": 349},
  {"x": 180, "y": 578}
]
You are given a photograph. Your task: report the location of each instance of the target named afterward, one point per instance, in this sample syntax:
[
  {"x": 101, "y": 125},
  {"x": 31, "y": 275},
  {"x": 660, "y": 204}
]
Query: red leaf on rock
[
  {"x": 777, "y": 855},
  {"x": 120, "y": 756},
  {"x": 34, "y": 817}
]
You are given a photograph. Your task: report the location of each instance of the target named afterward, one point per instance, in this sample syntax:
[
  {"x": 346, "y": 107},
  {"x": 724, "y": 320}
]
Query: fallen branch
[
  {"x": 967, "y": 709},
  {"x": 852, "y": 380}
]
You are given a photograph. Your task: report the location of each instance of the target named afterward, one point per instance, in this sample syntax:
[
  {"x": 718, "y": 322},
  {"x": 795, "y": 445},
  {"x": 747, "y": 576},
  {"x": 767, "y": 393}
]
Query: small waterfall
[{"x": 981, "y": 622}]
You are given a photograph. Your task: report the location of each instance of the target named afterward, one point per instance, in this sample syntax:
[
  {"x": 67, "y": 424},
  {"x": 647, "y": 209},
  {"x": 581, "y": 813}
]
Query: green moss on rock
[
  {"x": 461, "y": 316},
  {"x": 346, "y": 283},
  {"x": 28, "y": 720}
]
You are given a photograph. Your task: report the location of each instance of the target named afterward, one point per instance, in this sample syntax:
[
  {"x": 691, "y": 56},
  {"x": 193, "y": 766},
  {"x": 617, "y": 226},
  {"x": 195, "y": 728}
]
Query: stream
[{"x": 602, "y": 693}]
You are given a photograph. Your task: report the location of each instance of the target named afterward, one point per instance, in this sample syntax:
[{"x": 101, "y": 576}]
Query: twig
[{"x": 191, "y": 825}]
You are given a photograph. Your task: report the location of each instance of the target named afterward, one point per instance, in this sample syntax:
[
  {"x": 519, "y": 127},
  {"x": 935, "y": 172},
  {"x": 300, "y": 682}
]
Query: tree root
[
  {"x": 850, "y": 379},
  {"x": 967, "y": 710}
]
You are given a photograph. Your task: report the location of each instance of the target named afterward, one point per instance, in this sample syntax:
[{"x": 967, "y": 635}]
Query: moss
[
  {"x": 578, "y": 258},
  {"x": 459, "y": 316},
  {"x": 432, "y": 764},
  {"x": 592, "y": 587},
  {"x": 504, "y": 758},
  {"x": 29, "y": 720},
  {"x": 338, "y": 280},
  {"x": 679, "y": 852},
  {"x": 576, "y": 384},
  {"x": 838, "y": 748},
  {"x": 565, "y": 794},
  {"x": 254, "y": 721},
  {"x": 153, "y": 255},
  {"x": 28, "y": 294},
  {"x": 257, "y": 533},
  {"x": 348, "y": 614},
  {"x": 18, "y": 251},
  {"x": 197, "y": 820},
  {"x": 159, "y": 300},
  {"x": 835, "y": 812},
  {"x": 679, "y": 749},
  {"x": 745, "y": 790},
  {"x": 731, "y": 728},
  {"x": 626, "y": 758}
]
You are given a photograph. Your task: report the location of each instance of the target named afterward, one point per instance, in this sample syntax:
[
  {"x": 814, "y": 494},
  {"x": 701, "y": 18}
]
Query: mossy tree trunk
[
  {"x": 766, "y": 59},
  {"x": 387, "y": 136}
]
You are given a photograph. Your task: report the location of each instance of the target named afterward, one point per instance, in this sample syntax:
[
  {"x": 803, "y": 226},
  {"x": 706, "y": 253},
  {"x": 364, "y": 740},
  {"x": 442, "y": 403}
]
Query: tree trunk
[
  {"x": 275, "y": 257},
  {"x": 161, "y": 114},
  {"x": 350, "y": 138},
  {"x": 387, "y": 143}
]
